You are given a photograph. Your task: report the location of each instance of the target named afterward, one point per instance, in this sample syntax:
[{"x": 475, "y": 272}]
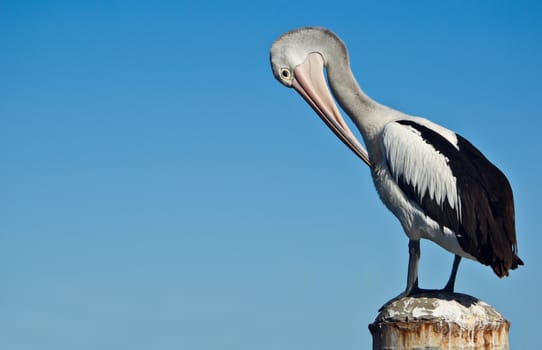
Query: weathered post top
[{"x": 439, "y": 321}]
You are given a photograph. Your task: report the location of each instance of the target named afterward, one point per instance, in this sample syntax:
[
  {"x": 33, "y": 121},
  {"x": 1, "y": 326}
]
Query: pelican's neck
[{"x": 369, "y": 116}]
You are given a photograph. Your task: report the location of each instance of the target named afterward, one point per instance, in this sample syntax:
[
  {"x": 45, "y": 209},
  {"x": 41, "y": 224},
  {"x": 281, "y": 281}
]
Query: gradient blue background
[{"x": 160, "y": 190}]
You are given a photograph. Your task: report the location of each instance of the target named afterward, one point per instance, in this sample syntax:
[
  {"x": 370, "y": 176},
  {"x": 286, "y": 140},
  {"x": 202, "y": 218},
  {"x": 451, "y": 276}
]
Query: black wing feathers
[{"x": 491, "y": 217}]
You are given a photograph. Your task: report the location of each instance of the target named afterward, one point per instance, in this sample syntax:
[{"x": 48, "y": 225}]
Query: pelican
[{"x": 433, "y": 180}]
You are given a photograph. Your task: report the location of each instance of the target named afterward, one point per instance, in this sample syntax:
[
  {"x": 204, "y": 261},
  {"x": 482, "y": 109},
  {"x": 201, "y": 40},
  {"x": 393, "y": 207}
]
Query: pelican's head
[
  {"x": 299, "y": 46},
  {"x": 298, "y": 59}
]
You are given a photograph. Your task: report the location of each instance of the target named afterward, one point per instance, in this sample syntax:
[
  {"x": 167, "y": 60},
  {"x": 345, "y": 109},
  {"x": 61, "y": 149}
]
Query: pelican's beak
[{"x": 310, "y": 83}]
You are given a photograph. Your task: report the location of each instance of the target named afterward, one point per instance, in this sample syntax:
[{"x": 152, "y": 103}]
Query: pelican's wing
[{"x": 455, "y": 185}]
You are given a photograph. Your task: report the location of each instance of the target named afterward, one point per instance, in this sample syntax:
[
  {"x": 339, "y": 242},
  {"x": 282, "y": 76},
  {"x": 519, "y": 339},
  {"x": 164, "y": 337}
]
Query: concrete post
[{"x": 439, "y": 321}]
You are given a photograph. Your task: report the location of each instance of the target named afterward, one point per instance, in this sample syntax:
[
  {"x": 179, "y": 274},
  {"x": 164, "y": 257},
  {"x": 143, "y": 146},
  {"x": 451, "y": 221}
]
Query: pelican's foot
[
  {"x": 400, "y": 296},
  {"x": 414, "y": 292}
]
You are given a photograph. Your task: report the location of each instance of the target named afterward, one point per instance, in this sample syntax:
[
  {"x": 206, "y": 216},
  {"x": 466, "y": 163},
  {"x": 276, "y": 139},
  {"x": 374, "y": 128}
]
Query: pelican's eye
[{"x": 285, "y": 73}]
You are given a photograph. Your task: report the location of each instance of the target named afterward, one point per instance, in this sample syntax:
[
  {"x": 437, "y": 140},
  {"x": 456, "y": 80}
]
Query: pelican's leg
[
  {"x": 449, "y": 287},
  {"x": 413, "y": 258},
  {"x": 412, "y": 278}
]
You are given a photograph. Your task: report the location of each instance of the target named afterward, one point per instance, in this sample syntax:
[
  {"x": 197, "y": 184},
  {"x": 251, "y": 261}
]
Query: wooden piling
[{"x": 439, "y": 321}]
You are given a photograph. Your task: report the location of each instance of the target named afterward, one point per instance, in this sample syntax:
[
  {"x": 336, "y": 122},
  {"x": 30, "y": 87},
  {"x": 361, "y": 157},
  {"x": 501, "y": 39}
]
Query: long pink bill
[{"x": 310, "y": 83}]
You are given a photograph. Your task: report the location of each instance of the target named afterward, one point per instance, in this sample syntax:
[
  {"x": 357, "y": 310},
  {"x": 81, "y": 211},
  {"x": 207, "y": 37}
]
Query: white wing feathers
[{"x": 420, "y": 164}]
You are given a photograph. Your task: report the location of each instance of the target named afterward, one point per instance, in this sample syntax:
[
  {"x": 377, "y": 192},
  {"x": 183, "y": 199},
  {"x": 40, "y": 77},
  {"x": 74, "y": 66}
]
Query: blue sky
[{"x": 160, "y": 190}]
